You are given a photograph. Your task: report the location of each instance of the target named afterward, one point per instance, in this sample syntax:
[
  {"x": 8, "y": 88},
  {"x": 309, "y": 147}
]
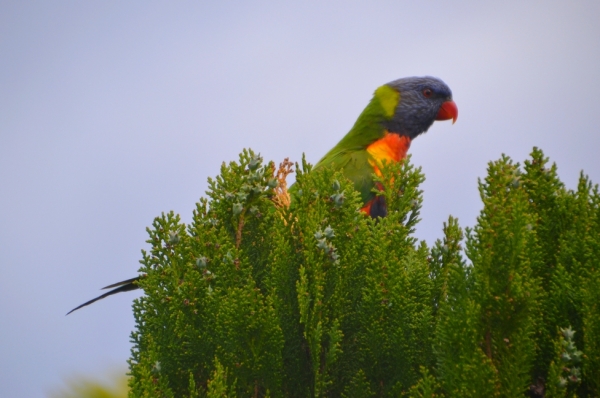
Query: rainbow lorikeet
[{"x": 398, "y": 112}]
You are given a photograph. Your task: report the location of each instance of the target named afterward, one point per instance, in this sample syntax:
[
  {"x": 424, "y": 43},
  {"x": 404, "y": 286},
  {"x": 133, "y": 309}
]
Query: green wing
[
  {"x": 350, "y": 154},
  {"x": 355, "y": 166}
]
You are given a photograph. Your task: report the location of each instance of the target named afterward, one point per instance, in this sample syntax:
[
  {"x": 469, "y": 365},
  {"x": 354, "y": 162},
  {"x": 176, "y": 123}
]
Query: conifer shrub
[{"x": 298, "y": 294}]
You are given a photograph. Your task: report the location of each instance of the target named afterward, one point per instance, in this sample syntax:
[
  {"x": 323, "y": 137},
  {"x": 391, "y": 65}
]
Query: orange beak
[{"x": 448, "y": 111}]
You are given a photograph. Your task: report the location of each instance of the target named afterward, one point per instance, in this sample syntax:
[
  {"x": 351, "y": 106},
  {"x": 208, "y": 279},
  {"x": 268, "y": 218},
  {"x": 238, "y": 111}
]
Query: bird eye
[{"x": 427, "y": 93}]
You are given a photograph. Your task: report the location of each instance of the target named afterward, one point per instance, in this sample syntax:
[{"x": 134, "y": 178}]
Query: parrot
[{"x": 399, "y": 111}]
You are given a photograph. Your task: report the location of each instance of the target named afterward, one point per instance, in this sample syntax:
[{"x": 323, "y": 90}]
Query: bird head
[{"x": 422, "y": 101}]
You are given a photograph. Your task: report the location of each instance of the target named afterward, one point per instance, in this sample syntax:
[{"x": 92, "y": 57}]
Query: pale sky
[{"x": 113, "y": 112}]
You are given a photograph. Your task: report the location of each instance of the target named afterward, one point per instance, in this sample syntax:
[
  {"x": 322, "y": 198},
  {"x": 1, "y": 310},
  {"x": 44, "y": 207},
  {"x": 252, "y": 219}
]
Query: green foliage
[
  {"x": 218, "y": 387},
  {"x": 255, "y": 298},
  {"x": 564, "y": 375},
  {"x": 79, "y": 387}
]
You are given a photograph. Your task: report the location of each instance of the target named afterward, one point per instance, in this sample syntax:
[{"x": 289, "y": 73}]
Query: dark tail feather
[
  {"x": 127, "y": 282},
  {"x": 124, "y": 286}
]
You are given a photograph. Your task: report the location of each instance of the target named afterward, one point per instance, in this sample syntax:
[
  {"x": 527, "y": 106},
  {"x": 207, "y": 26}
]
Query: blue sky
[{"x": 113, "y": 112}]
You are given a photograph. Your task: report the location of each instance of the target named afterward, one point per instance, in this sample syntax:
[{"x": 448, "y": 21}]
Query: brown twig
[
  {"x": 282, "y": 196},
  {"x": 488, "y": 344},
  {"x": 238, "y": 233}
]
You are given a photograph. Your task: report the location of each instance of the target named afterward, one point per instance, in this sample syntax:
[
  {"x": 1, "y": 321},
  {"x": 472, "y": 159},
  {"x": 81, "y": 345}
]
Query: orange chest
[{"x": 390, "y": 148}]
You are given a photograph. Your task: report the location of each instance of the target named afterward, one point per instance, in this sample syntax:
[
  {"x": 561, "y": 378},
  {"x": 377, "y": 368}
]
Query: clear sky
[{"x": 112, "y": 112}]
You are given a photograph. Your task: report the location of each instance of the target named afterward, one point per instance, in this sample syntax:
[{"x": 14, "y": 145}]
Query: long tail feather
[{"x": 124, "y": 286}]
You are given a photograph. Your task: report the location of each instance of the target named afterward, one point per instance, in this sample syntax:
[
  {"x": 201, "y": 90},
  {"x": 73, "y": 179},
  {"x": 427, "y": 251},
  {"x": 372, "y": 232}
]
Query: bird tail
[{"x": 123, "y": 286}]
